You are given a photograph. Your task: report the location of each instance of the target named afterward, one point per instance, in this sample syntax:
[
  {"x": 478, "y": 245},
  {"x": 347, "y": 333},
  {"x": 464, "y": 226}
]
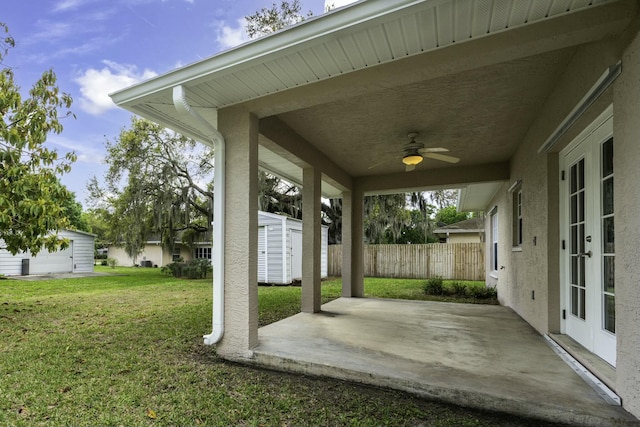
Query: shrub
[
  {"x": 103, "y": 262},
  {"x": 193, "y": 269},
  {"x": 112, "y": 262},
  {"x": 434, "y": 286},
  {"x": 458, "y": 288},
  {"x": 483, "y": 292}
]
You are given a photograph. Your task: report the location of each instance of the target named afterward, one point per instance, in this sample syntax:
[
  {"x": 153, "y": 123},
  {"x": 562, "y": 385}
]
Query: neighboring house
[
  {"x": 77, "y": 258},
  {"x": 539, "y": 100},
  {"x": 155, "y": 254},
  {"x": 278, "y": 235},
  {"x": 468, "y": 231}
]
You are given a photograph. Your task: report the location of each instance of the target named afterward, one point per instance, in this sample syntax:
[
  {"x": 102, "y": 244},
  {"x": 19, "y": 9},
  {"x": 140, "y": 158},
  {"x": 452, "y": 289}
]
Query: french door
[{"x": 588, "y": 255}]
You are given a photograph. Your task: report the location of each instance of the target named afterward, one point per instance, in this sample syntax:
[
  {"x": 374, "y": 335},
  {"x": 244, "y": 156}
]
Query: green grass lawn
[{"x": 127, "y": 350}]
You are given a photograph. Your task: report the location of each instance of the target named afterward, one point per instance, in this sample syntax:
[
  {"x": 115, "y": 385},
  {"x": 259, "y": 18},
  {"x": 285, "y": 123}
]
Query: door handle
[{"x": 586, "y": 254}]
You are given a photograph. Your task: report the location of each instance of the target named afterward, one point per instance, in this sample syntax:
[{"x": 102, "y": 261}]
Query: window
[
  {"x": 202, "y": 253},
  {"x": 494, "y": 239},
  {"x": 517, "y": 216},
  {"x": 176, "y": 256}
]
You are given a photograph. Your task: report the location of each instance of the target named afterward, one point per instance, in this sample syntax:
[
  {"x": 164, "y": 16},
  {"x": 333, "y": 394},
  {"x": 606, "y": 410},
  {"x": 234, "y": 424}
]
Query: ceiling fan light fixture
[{"x": 411, "y": 159}]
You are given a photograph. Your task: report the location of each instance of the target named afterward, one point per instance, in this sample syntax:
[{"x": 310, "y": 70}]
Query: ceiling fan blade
[
  {"x": 432, "y": 150},
  {"x": 375, "y": 165},
  {"x": 409, "y": 168},
  {"x": 441, "y": 157}
]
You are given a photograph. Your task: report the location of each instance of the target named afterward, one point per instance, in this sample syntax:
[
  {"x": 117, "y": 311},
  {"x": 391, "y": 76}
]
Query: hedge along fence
[{"x": 453, "y": 261}]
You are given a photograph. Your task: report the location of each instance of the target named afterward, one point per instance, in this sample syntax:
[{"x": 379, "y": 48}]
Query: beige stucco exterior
[
  {"x": 491, "y": 98},
  {"x": 464, "y": 238},
  {"x": 530, "y": 280},
  {"x": 154, "y": 252}
]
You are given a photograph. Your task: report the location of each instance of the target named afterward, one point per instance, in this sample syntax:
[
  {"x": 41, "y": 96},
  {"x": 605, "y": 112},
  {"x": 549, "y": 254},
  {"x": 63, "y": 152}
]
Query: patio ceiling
[{"x": 470, "y": 76}]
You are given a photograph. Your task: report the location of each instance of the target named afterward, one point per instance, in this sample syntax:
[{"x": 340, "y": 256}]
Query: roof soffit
[{"x": 358, "y": 37}]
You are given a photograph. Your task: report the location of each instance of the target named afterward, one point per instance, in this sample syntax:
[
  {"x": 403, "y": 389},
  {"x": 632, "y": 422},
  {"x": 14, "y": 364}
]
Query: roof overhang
[
  {"x": 424, "y": 39},
  {"x": 476, "y": 197}
]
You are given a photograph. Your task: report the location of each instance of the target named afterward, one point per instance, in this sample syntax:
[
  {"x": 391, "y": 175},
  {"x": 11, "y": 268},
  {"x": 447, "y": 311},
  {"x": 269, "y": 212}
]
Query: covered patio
[
  {"x": 328, "y": 104},
  {"x": 481, "y": 356}
]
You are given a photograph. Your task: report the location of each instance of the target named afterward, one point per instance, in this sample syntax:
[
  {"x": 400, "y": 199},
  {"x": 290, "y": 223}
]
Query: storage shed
[
  {"x": 280, "y": 249},
  {"x": 77, "y": 258}
]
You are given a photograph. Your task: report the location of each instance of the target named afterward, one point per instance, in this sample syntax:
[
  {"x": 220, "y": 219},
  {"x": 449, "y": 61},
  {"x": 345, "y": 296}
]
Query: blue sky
[{"x": 98, "y": 46}]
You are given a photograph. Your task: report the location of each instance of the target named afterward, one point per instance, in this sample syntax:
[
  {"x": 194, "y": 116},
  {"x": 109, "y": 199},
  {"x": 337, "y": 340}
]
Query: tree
[
  {"x": 269, "y": 20},
  {"x": 450, "y": 215},
  {"x": 31, "y": 196},
  {"x": 97, "y": 223},
  {"x": 278, "y": 196},
  {"x": 158, "y": 182},
  {"x": 443, "y": 198},
  {"x": 73, "y": 211}
]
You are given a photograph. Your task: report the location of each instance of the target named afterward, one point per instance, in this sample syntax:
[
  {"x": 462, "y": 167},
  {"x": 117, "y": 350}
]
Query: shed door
[
  {"x": 589, "y": 254},
  {"x": 296, "y": 255},
  {"x": 52, "y": 262}
]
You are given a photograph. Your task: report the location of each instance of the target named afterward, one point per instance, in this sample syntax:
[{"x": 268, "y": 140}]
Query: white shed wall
[
  {"x": 83, "y": 248},
  {"x": 10, "y": 265},
  {"x": 77, "y": 258},
  {"x": 275, "y": 248}
]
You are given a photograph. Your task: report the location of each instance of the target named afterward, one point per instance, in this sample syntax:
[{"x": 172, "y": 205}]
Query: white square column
[
  {"x": 240, "y": 130},
  {"x": 311, "y": 240},
  {"x": 353, "y": 243}
]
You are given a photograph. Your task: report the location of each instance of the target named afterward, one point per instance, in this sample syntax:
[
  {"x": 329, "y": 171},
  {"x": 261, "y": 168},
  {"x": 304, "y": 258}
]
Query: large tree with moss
[
  {"x": 32, "y": 199},
  {"x": 158, "y": 184}
]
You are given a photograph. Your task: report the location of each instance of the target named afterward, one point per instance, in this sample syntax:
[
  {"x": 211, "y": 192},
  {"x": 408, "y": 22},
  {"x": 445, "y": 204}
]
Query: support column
[
  {"x": 311, "y": 240},
  {"x": 353, "y": 244},
  {"x": 240, "y": 129}
]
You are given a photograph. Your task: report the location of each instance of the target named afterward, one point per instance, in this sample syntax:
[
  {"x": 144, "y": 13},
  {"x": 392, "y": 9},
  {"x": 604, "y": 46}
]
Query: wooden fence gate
[{"x": 454, "y": 261}]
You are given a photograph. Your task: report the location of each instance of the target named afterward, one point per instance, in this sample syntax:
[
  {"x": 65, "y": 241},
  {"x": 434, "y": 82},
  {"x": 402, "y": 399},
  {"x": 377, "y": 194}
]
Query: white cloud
[
  {"x": 66, "y": 5},
  {"x": 85, "y": 152},
  {"x": 96, "y": 85},
  {"x": 229, "y": 37}
]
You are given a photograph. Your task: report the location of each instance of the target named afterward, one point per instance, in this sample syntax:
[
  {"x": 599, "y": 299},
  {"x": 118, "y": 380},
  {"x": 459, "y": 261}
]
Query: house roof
[
  {"x": 471, "y": 225},
  {"x": 469, "y": 76}
]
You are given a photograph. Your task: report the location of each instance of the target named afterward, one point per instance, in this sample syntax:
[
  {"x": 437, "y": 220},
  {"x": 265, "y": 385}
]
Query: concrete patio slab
[{"x": 478, "y": 356}]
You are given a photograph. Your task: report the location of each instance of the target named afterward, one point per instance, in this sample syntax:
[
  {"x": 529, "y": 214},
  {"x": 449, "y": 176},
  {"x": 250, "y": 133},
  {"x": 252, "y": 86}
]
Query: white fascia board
[{"x": 258, "y": 51}]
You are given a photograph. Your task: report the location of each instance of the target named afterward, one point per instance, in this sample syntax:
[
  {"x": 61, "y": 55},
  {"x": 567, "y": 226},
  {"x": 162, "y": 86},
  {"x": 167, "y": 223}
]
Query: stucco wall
[
  {"x": 529, "y": 283},
  {"x": 464, "y": 238},
  {"x": 536, "y": 267},
  {"x": 626, "y": 130}
]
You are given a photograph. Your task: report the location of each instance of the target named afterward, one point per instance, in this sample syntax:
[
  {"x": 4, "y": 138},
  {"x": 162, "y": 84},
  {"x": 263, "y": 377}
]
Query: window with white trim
[
  {"x": 517, "y": 217},
  {"x": 202, "y": 253},
  {"x": 494, "y": 240}
]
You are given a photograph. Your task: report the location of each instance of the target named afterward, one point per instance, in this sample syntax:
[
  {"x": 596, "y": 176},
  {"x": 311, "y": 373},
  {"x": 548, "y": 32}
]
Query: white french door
[{"x": 587, "y": 226}]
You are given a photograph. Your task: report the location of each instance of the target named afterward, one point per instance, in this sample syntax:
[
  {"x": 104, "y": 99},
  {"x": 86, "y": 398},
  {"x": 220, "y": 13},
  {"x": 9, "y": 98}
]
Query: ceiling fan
[{"x": 414, "y": 152}]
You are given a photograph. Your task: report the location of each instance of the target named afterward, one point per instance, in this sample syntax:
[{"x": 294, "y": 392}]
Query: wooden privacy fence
[{"x": 455, "y": 261}]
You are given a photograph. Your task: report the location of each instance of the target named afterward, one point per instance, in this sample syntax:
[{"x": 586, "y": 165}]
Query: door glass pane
[
  {"x": 574, "y": 239},
  {"x": 608, "y": 274},
  {"x": 574, "y": 300},
  {"x": 581, "y": 262},
  {"x": 582, "y": 304},
  {"x": 607, "y": 196},
  {"x": 574, "y": 208},
  {"x": 608, "y": 239},
  {"x": 581, "y": 174},
  {"x": 574, "y": 179},
  {"x": 610, "y": 313},
  {"x": 607, "y": 158},
  {"x": 574, "y": 270}
]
